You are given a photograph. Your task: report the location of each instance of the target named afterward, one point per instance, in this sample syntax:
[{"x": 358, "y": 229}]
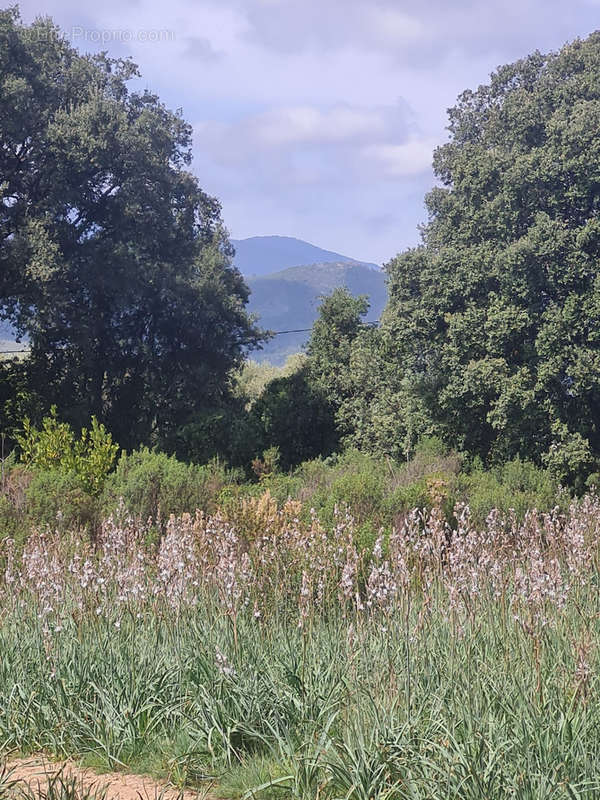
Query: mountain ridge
[{"x": 264, "y": 255}]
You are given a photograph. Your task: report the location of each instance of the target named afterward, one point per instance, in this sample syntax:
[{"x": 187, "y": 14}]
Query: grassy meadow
[{"x": 259, "y": 652}]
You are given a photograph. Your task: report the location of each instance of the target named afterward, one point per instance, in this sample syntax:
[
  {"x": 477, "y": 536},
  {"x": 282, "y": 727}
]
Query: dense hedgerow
[
  {"x": 153, "y": 484},
  {"x": 378, "y": 492}
]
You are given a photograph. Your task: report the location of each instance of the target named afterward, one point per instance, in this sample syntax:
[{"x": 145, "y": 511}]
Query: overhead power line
[
  {"x": 308, "y": 330},
  {"x": 297, "y": 330},
  {"x": 272, "y": 333}
]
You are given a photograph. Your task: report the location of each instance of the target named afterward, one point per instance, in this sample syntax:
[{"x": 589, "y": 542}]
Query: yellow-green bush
[{"x": 55, "y": 448}]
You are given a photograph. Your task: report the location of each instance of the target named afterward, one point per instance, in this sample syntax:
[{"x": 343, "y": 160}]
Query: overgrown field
[{"x": 269, "y": 654}]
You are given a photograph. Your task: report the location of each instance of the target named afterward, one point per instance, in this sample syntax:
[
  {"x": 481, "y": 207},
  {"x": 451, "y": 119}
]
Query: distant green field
[{"x": 11, "y": 349}]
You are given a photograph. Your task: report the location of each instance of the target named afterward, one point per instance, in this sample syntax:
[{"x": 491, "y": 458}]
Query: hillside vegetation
[
  {"x": 369, "y": 574},
  {"x": 290, "y": 300}
]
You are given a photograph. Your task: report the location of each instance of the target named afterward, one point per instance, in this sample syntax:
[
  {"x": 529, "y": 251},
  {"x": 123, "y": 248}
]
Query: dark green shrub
[
  {"x": 225, "y": 433},
  {"x": 362, "y": 491},
  {"x": 405, "y": 498},
  {"x": 293, "y": 415}
]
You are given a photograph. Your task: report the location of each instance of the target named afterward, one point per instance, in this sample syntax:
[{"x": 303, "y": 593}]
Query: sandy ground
[{"x": 35, "y": 771}]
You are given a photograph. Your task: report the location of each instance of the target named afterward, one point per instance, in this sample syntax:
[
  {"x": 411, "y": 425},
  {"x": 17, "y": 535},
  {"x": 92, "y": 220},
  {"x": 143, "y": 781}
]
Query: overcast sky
[{"x": 317, "y": 118}]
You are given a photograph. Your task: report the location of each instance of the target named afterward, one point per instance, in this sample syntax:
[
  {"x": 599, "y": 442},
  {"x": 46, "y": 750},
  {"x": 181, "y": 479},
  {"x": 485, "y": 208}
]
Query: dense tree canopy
[
  {"x": 113, "y": 261},
  {"x": 494, "y": 322},
  {"x": 293, "y": 415},
  {"x": 116, "y": 266},
  {"x": 330, "y": 346}
]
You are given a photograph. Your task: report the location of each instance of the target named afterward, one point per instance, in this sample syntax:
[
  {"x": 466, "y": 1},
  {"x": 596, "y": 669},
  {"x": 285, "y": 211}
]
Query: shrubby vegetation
[
  {"x": 135, "y": 314},
  {"x": 152, "y": 485},
  {"x": 64, "y": 481},
  {"x": 54, "y": 448},
  {"x": 371, "y": 575}
]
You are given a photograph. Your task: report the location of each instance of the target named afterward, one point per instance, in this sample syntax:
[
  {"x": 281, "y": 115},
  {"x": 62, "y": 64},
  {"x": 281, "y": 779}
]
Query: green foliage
[
  {"x": 11, "y": 526},
  {"x": 59, "y": 480},
  {"x": 294, "y": 415},
  {"x": 17, "y": 399},
  {"x": 296, "y": 411},
  {"x": 54, "y": 448},
  {"x": 58, "y": 485},
  {"x": 359, "y": 483},
  {"x": 517, "y": 485},
  {"x": 490, "y": 336},
  {"x": 376, "y": 491},
  {"x": 268, "y": 465},
  {"x": 153, "y": 484},
  {"x": 219, "y": 433},
  {"x": 330, "y": 345},
  {"x": 117, "y": 267},
  {"x": 59, "y": 500},
  {"x": 253, "y": 377},
  {"x": 115, "y": 263},
  {"x": 569, "y": 457}
]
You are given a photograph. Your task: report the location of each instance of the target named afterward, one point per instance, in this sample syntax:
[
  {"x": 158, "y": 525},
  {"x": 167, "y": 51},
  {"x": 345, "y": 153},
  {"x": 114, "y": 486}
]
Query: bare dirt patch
[{"x": 36, "y": 772}]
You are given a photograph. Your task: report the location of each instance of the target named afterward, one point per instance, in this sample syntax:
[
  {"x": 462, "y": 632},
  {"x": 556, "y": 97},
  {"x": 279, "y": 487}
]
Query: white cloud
[
  {"x": 308, "y": 125},
  {"x": 318, "y": 118},
  {"x": 393, "y": 27},
  {"x": 297, "y": 128},
  {"x": 399, "y": 160}
]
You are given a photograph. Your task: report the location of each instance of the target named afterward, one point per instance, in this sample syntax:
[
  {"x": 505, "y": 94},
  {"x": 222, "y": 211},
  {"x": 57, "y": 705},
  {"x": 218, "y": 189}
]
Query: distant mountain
[
  {"x": 289, "y": 300},
  {"x": 263, "y": 255},
  {"x": 287, "y": 277}
]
